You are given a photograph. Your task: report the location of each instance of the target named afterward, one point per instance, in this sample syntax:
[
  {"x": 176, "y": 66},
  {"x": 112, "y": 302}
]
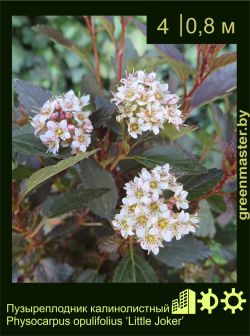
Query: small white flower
[
  {"x": 48, "y": 108},
  {"x": 124, "y": 225},
  {"x": 62, "y": 121},
  {"x": 38, "y": 122},
  {"x": 134, "y": 128},
  {"x": 81, "y": 140},
  {"x": 84, "y": 101},
  {"x": 148, "y": 216},
  {"x": 142, "y": 221},
  {"x": 58, "y": 129},
  {"x": 180, "y": 198},
  {"x": 146, "y": 104},
  {"x": 151, "y": 241},
  {"x": 80, "y": 117},
  {"x": 70, "y": 102},
  {"x": 51, "y": 142}
]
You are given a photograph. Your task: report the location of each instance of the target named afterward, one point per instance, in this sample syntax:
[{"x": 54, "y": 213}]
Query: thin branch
[
  {"x": 120, "y": 52},
  {"x": 91, "y": 29}
]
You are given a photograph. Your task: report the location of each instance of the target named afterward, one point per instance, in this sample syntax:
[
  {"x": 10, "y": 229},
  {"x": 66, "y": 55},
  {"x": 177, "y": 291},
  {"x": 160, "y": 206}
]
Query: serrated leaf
[
  {"x": 50, "y": 271},
  {"x": 181, "y": 69},
  {"x": 56, "y": 36},
  {"x": 94, "y": 177},
  {"x": 168, "y": 49},
  {"x": 107, "y": 23},
  {"x": 23, "y": 130},
  {"x": 29, "y": 144},
  {"x": 224, "y": 122},
  {"x": 218, "y": 84},
  {"x": 61, "y": 231},
  {"x": 172, "y": 133},
  {"x": 21, "y": 173},
  {"x": 104, "y": 111},
  {"x": 76, "y": 199},
  {"x": 19, "y": 243},
  {"x": 211, "y": 49},
  {"x": 145, "y": 63},
  {"x": 89, "y": 86},
  {"x": 217, "y": 203},
  {"x": 45, "y": 173},
  {"x": 129, "y": 52},
  {"x": 29, "y": 95},
  {"x": 205, "y": 138},
  {"x": 113, "y": 125},
  {"x": 196, "y": 179},
  {"x": 207, "y": 222},
  {"x": 134, "y": 269},
  {"x": 172, "y": 55},
  {"x": 89, "y": 276},
  {"x": 109, "y": 244},
  {"x": 180, "y": 162},
  {"x": 231, "y": 202},
  {"x": 186, "y": 250},
  {"x": 198, "y": 185},
  {"x": 218, "y": 62}
]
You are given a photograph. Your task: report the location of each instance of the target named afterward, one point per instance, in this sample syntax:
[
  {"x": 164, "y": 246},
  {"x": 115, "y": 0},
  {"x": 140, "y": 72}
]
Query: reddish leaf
[
  {"x": 221, "y": 61},
  {"x": 218, "y": 84},
  {"x": 211, "y": 50}
]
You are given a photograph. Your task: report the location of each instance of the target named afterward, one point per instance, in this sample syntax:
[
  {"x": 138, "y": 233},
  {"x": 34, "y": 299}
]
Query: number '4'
[{"x": 163, "y": 26}]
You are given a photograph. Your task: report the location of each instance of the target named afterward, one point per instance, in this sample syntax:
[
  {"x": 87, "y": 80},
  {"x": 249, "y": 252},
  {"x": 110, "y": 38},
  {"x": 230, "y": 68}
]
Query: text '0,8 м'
[{"x": 191, "y": 25}]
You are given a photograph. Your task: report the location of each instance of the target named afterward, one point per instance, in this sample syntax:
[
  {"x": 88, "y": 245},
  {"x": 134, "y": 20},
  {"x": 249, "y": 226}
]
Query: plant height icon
[{"x": 185, "y": 304}]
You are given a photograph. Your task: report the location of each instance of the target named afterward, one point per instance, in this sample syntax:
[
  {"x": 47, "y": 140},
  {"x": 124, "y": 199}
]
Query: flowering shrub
[
  {"x": 62, "y": 121},
  {"x": 146, "y": 104},
  {"x": 134, "y": 179},
  {"x": 145, "y": 213}
]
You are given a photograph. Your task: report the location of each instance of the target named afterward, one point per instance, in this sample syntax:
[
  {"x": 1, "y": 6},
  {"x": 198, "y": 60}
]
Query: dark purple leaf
[
  {"x": 178, "y": 252},
  {"x": 218, "y": 84},
  {"x": 109, "y": 18},
  {"x": 168, "y": 49},
  {"x": 29, "y": 95}
]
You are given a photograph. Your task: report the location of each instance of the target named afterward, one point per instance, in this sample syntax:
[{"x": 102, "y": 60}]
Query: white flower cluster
[
  {"x": 145, "y": 213},
  {"x": 62, "y": 121},
  {"x": 146, "y": 104}
]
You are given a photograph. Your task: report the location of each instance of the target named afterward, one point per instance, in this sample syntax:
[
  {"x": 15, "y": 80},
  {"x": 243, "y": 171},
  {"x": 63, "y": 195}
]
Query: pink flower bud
[
  {"x": 58, "y": 107},
  {"x": 54, "y": 116},
  {"x": 68, "y": 115},
  {"x": 62, "y": 115},
  {"x": 71, "y": 127}
]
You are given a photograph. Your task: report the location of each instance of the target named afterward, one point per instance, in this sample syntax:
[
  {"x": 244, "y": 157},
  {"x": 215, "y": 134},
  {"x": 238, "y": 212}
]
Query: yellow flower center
[
  {"x": 139, "y": 193},
  {"x": 80, "y": 116},
  {"x": 153, "y": 185},
  {"x": 162, "y": 223},
  {"x": 132, "y": 207},
  {"x": 129, "y": 93},
  {"x": 158, "y": 95},
  {"x": 154, "y": 207},
  {"x": 151, "y": 239},
  {"x": 124, "y": 224},
  {"x": 47, "y": 110},
  {"x": 142, "y": 220},
  {"x": 59, "y": 131},
  {"x": 51, "y": 143},
  {"x": 80, "y": 138},
  {"x": 134, "y": 127}
]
